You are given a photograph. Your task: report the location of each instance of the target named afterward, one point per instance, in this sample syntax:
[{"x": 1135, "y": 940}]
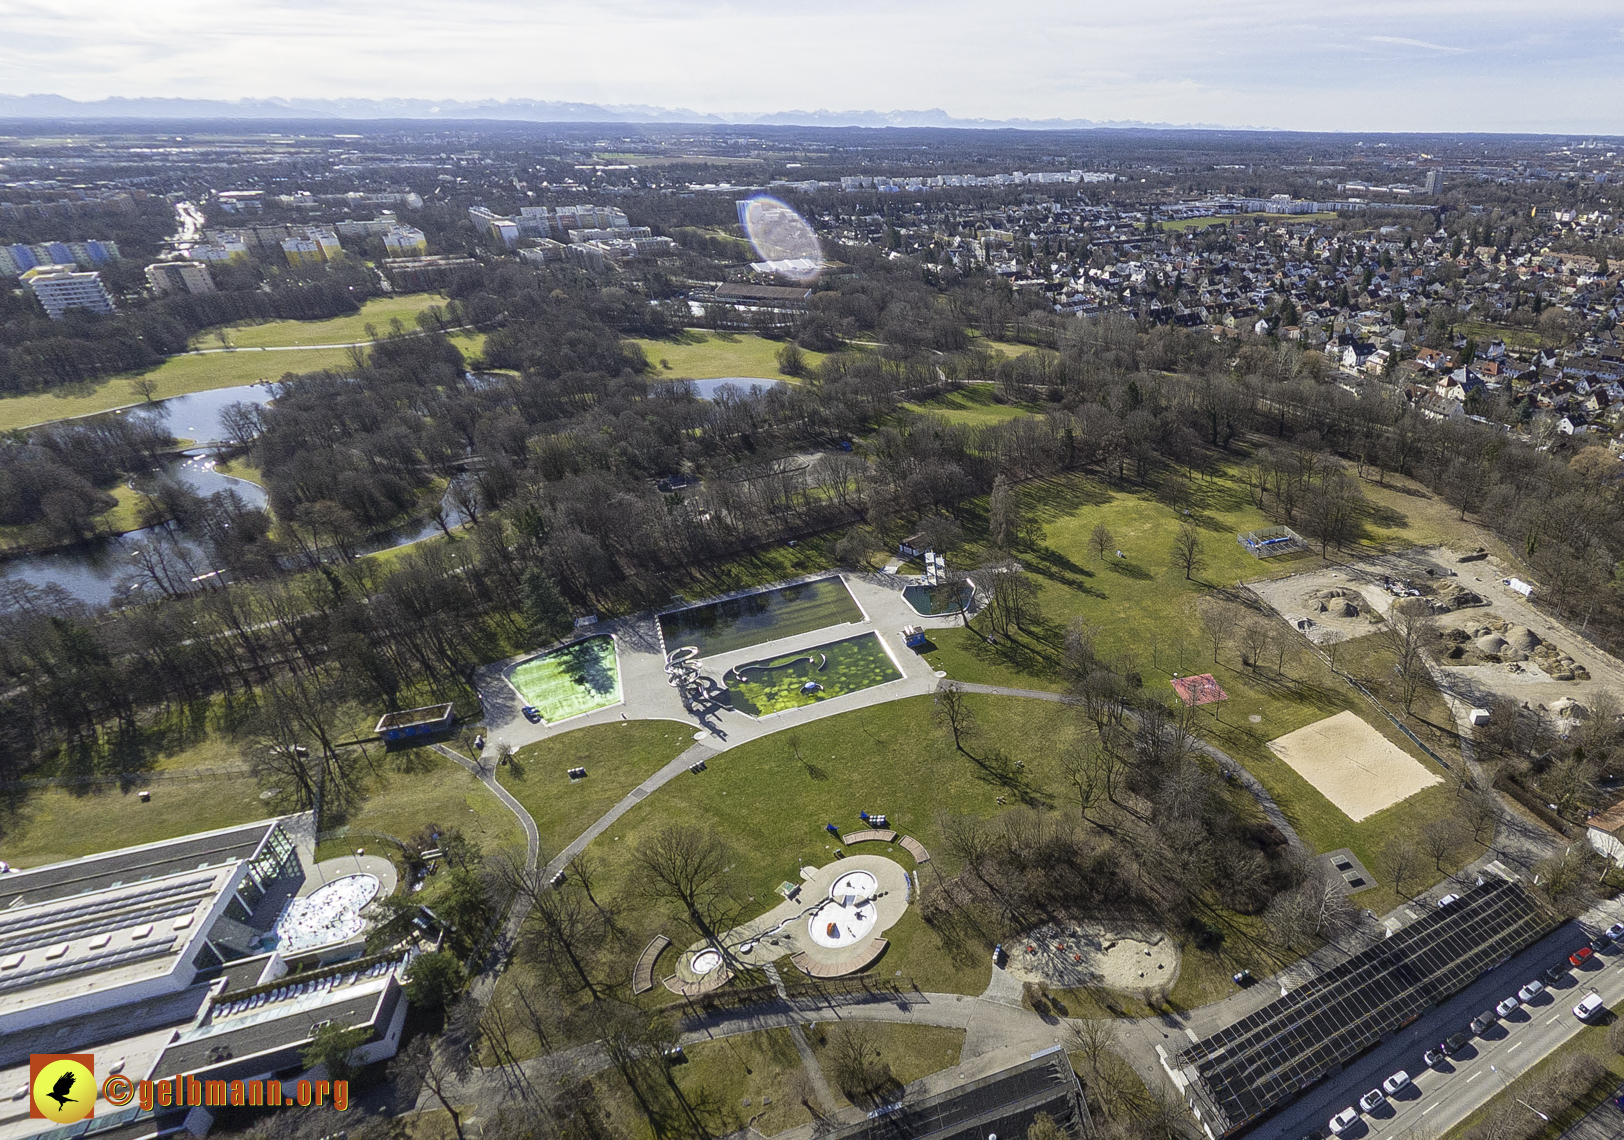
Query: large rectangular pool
[
  {"x": 813, "y": 675},
  {"x": 738, "y": 623}
]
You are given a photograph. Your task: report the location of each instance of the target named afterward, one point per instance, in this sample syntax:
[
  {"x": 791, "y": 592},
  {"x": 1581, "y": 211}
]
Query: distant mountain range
[{"x": 512, "y": 110}]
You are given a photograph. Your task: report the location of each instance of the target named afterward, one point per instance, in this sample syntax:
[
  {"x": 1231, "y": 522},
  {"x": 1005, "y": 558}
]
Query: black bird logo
[{"x": 59, "y": 1091}]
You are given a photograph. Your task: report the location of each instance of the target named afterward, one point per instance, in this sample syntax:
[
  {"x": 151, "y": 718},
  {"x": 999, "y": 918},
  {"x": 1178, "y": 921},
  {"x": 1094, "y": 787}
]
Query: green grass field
[
  {"x": 840, "y": 667},
  {"x": 53, "y": 824},
  {"x": 617, "y": 757},
  {"x": 1146, "y": 620},
  {"x": 413, "y": 788},
  {"x": 738, "y": 623},
  {"x": 179, "y": 375},
  {"x": 568, "y": 682},
  {"x": 702, "y": 354},
  {"x": 377, "y": 312},
  {"x": 975, "y": 406}
]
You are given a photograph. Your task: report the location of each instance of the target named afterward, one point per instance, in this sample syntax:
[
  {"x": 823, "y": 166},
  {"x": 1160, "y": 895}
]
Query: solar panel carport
[{"x": 1267, "y": 1057}]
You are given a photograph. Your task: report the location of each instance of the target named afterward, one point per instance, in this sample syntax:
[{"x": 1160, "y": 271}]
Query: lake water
[
  {"x": 99, "y": 571},
  {"x": 707, "y": 389}
]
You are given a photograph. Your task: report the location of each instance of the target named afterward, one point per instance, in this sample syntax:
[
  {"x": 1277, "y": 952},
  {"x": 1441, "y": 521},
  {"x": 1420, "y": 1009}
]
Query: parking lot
[{"x": 1440, "y": 1097}]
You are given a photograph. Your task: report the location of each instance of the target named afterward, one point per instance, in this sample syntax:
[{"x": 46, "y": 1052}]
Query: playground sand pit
[
  {"x": 1352, "y": 765},
  {"x": 1070, "y": 955}
]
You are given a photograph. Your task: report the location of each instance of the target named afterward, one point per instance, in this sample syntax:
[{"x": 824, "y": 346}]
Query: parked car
[
  {"x": 1483, "y": 1021},
  {"x": 1372, "y": 1100},
  {"x": 1555, "y": 974},
  {"x": 1343, "y": 1120},
  {"x": 531, "y": 715},
  {"x": 1454, "y": 1043},
  {"x": 1589, "y": 1007},
  {"x": 1531, "y": 991},
  {"x": 1447, "y": 899},
  {"x": 1580, "y": 956},
  {"x": 1435, "y": 1057},
  {"x": 1507, "y": 1007},
  {"x": 1616, "y": 931},
  {"x": 1398, "y": 1082}
]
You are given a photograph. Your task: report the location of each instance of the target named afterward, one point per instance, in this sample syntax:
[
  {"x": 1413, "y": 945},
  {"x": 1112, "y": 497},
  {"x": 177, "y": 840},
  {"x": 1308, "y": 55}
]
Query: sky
[{"x": 1361, "y": 65}]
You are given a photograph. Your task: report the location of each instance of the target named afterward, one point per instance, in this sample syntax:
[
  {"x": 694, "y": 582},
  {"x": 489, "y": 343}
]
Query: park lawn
[
  {"x": 726, "y": 1081},
  {"x": 1591, "y": 1039},
  {"x": 1146, "y": 620},
  {"x": 772, "y": 797},
  {"x": 176, "y": 376},
  {"x": 911, "y": 1051},
  {"x": 49, "y": 825},
  {"x": 704, "y": 354},
  {"x": 378, "y": 312},
  {"x": 975, "y": 406},
  {"x": 241, "y": 468},
  {"x": 1529, "y": 339},
  {"x": 576, "y": 679},
  {"x": 409, "y": 789},
  {"x": 617, "y": 757}
]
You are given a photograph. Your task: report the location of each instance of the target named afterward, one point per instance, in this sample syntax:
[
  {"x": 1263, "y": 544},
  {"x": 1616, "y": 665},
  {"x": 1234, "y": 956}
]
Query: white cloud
[
  {"x": 1161, "y": 60},
  {"x": 1408, "y": 42}
]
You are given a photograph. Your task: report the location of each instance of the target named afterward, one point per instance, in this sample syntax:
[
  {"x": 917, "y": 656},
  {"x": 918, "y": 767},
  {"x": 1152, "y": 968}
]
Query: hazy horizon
[{"x": 1416, "y": 66}]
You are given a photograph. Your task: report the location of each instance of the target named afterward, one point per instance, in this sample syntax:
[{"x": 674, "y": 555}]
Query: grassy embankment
[
  {"x": 704, "y": 354},
  {"x": 201, "y": 372}
]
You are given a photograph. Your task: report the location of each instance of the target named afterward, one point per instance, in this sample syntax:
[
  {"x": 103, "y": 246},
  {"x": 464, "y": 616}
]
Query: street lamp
[{"x": 1519, "y": 1100}]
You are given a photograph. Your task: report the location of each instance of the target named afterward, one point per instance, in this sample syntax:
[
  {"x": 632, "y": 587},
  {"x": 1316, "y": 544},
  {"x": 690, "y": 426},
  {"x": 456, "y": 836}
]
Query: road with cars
[{"x": 1439, "y": 1097}]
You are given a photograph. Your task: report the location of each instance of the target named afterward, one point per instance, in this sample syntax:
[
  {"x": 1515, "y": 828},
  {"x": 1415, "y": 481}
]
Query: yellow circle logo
[{"x": 65, "y": 1091}]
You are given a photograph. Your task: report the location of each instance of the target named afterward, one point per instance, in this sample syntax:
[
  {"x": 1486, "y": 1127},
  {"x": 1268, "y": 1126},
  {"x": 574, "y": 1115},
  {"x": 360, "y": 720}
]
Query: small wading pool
[
  {"x": 858, "y": 883},
  {"x": 932, "y": 601},
  {"x": 815, "y": 674},
  {"x": 738, "y": 623},
  {"x": 706, "y": 961}
]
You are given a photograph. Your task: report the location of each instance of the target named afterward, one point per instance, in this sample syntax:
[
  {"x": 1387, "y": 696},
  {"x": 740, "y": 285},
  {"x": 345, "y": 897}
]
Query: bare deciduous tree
[
  {"x": 953, "y": 711},
  {"x": 1187, "y": 552},
  {"x": 689, "y": 865}
]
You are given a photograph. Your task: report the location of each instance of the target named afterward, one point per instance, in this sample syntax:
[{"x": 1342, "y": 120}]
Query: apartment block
[{"x": 59, "y": 288}]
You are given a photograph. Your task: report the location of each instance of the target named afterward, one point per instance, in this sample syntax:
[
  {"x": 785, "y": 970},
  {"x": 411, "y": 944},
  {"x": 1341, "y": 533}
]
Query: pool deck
[{"x": 648, "y": 696}]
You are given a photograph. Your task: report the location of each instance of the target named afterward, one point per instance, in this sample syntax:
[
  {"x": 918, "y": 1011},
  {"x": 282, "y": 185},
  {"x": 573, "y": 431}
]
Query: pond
[
  {"x": 97, "y": 572},
  {"x": 739, "y": 385},
  {"x": 806, "y": 677},
  {"x": 738, "y": 623}
]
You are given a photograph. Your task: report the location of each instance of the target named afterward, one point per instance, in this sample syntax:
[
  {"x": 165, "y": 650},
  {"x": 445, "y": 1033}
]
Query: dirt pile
[{"x": 1491, "y": 641}]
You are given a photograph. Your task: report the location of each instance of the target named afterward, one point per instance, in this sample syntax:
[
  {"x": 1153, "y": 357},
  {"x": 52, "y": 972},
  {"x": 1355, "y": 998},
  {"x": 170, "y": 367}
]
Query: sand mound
[
  {"x": 1491, "y": 643},
  {"x": 1522, "y": 638},
  {"x": 1569, "y": 708}
]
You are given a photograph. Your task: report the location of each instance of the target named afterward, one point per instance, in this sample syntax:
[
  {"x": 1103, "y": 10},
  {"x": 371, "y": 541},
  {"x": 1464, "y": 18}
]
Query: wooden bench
[
  {"x": 915, "y": 848},
  {"x": 868, "y": 836},
  {"x": 643, "y": 975},
  {"x": 851, "y": 964},
  {"x": 714, "y": 980}
]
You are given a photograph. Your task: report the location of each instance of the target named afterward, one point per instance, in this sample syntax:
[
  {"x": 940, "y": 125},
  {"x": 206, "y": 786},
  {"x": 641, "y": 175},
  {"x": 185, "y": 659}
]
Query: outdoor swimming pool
[
  {"x": 811, "y": 675},
  {"x": 570, "y": 681},
  {"x": 933, "y": 600},
  {"x": 738, "y": 623}
]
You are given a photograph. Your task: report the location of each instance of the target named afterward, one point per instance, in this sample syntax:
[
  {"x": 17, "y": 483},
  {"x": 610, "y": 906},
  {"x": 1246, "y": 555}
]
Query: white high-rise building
[
  {"x": 167, "y": 277},
  {"x": 60, "y": 288}
]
